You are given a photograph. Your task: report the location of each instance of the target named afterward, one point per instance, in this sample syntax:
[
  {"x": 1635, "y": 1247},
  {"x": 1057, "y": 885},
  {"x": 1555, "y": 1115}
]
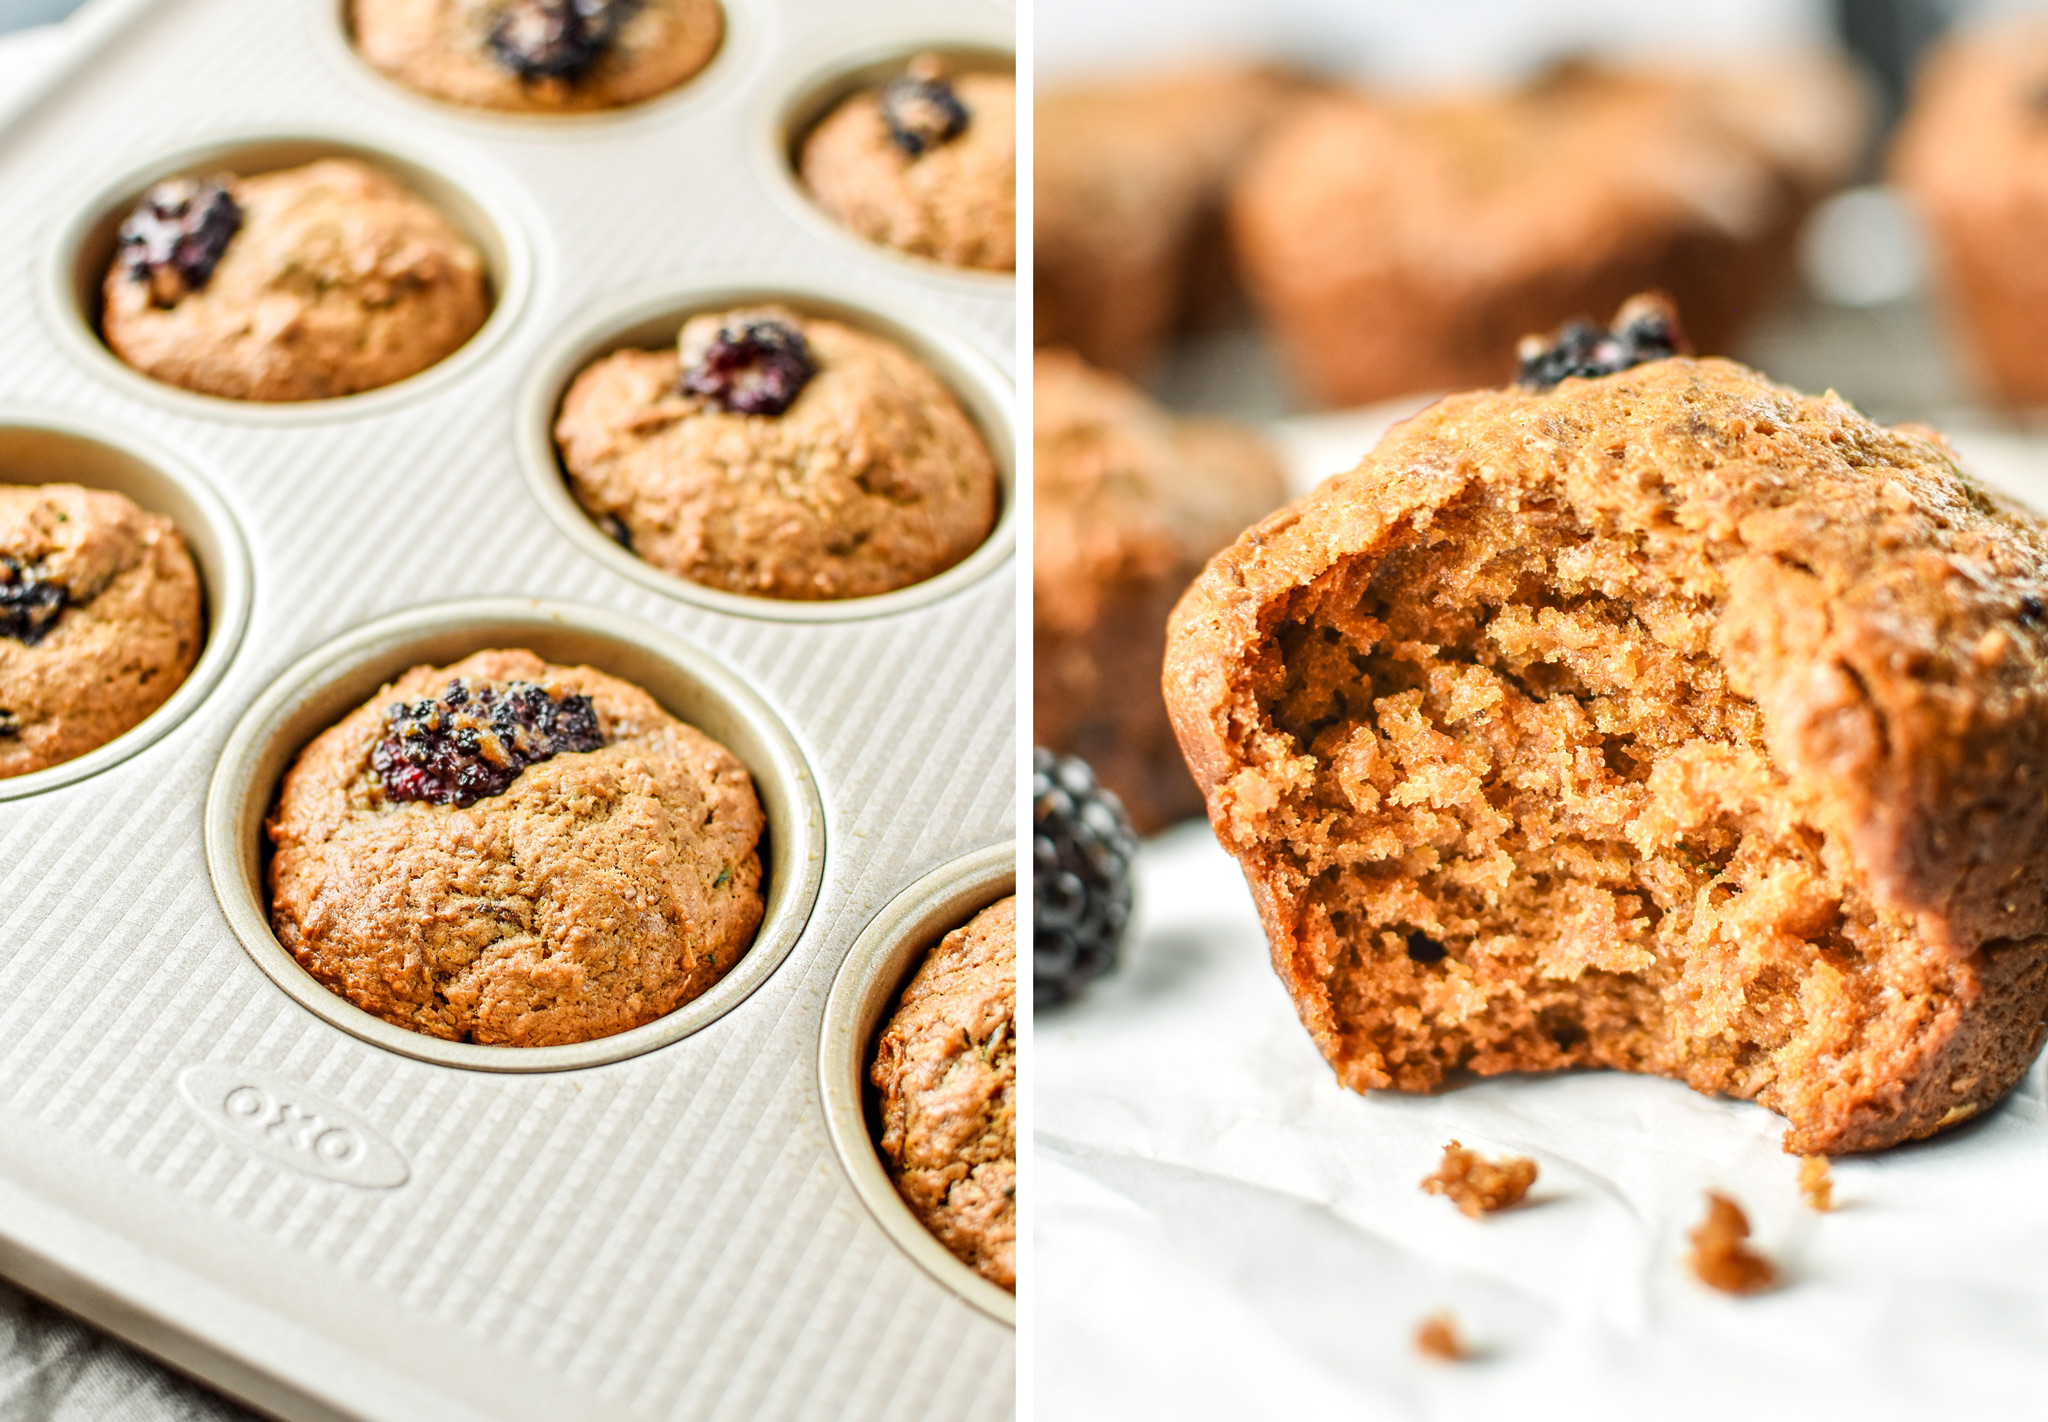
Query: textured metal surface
[{"x": 665, "y": 1236}]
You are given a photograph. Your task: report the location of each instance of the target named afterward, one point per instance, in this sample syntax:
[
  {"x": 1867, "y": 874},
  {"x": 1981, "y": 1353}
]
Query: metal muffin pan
[
  {"x": 209, "y": 1162},
  {"x": 37, "y": 447},
  {"x": 864, "y": 993},
  {"x": 335, "y": 679},
  {"x": 481, "y": 210},
  {"x": 810, "y": 85},
  {"x": 649, "y": 319}
]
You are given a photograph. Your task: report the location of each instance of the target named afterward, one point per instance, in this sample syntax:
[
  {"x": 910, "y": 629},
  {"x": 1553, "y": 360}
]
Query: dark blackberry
[
  {"x": 1645, "y": 329},
  {"x": 921, "y": 109},
  {"x": 30, "y": 604},
  {"x": 556, "y": 39},
  {"x": 472, "y": 740},
  {"x": 1081, "y": 850},
  {"x": 174, "y": 238},
  {"x": 752, "y": 367}
]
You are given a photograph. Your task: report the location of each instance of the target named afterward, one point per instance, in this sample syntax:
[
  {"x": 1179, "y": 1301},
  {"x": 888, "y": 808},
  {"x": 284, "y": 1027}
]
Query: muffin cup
[
  {"x": 802, "y": 93},
  {"x": 863, "y": 994},
  {"x": 481, "y": 206},
  {"x": 649, "y": 318},
  {"x": 41, "y": 448},
  {"x": 330, "y": 682},
  {"x": 334, "y": 36}
]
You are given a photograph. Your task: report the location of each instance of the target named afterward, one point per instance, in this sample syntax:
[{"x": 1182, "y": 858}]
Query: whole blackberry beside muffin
[
  {"x": 946, "y": 1070},
  {"x": 300, "y": 284},
  {"x": 538, "y": 56},
  {"x": 1654, "y": 717},
  {"x": 926, "y": 163},
  {"x": 101, "y": 620},
  {"x": 779, "y": 455},
  {"x": 510, "y": 852}
]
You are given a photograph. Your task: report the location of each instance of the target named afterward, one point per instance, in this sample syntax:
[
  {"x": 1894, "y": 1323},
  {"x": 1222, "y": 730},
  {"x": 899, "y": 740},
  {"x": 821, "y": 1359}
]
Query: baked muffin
[
  {"x": 1128, "y": 505},
  {"x": 946, "y": 1068},
  {"x": 300, "y": 284},
  {"x": 510, "y": 852},
  {"x": 100, "y": 620},
  {"x": 1667, "y": 720},
  {"x": 1127, "y": 217},
  {"x": 926, "y": 164},
  {"x": 538, "y": 56},
  {"x": 1973, "y": 157},
  {"x": 778, "y": 455},
  {"x": 1402, "y": 245}
]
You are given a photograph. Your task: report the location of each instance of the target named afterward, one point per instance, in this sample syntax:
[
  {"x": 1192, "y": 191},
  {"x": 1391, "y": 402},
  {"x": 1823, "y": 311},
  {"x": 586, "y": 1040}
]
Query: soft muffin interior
[{"x": 1535, "y": 827}]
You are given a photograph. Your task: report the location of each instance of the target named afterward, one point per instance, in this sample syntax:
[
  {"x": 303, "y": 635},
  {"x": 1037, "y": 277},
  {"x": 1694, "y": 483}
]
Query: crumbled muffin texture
[
  {"x": 946, "y": 1068},
  {"x": 596, "y": 891},
  {"x": 101, "y": 620},
  {"x": 1671, "y": 721},
  {"x": 1478, "y": 1186},
  {"x": 1721, "y": 1258}
]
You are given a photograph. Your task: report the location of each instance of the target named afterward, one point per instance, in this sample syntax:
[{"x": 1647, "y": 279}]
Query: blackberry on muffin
[
  {"x": 300, "y": 284},
  {"x": 510, "y": 852},
  {"x": 1697, "y": 722},
  {"x": 779, "y": 455},
  {"x": 926, "y": 163},
  {"x": 946, "y": 1070},
  {"x": 1396, "y": 245},
  {"x": 538, "y": 56},
  {"x": 101, "y": 620},
  {"x": 1129, "y": 503}
]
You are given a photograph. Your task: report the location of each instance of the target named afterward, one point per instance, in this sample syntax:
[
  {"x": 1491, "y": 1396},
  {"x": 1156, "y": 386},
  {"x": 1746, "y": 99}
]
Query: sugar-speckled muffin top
[
  {"x": 940, "y": 181},
  {"x": 100, "y": 620},
  {"x": 314, "y": 282},
  {"x": 946, "y": 1067},
  {"x": 779, "y": 455},
  {"x": 538, "y": 56},
  {"x": 510, "y": 852}
]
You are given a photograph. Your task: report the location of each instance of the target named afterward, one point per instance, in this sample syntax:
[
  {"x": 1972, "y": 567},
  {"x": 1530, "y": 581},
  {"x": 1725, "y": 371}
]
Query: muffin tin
[{"x": 201, "y": 1149}]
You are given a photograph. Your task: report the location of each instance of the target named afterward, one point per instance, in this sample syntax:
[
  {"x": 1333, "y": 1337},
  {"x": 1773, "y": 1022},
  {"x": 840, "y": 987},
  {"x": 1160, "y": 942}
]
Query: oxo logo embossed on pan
[{"x": 276, "y": 1117}]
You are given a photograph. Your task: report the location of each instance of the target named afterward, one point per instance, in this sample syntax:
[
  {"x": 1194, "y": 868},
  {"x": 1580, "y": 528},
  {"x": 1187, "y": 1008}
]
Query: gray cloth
[
  {"x": 54, "y": 1368},
  {"x": 20, "y": 14}
]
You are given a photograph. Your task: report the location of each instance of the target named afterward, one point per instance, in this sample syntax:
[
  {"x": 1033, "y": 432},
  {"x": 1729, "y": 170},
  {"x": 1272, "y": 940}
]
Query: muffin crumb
[
  {"x": 1720, "y": 1259},
  {"x": 1815, "y": 1184},
  {"x": 1437, "y": 1337},
  {"x": 1479, "y": 1186}
]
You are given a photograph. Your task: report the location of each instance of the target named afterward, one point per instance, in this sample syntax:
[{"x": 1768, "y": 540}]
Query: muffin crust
[
  {"x": 1670, "y": 721},
  {"x": 946, "y": 1069},
  {"x": 129, "y": 634},
  {"x": 601, "y": 890},
  {"x": 339, "y": 281}
]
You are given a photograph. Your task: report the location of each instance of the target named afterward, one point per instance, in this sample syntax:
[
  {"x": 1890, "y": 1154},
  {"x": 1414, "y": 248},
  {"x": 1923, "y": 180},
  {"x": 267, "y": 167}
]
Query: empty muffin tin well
[
  {"x": 480, "y": 205},
  {"x": 334, "y": 34},
  {"x": 809, "y": 87},
  {"x": 863, "y": 995},
  {"x": 650, "y": 318},
  {"x": 42, "y": 448},
  {"x": 333, "y": 680}
]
